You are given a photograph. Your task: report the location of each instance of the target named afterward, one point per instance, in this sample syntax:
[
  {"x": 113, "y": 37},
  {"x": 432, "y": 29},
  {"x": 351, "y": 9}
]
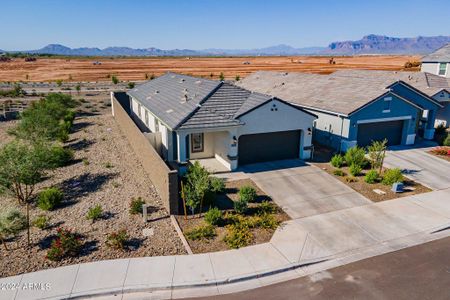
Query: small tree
[
  {"x": 377, "y": 152},
  {"x": 221, "y": 76},
  {"x": 237, "y": 78},
  {"x": 196, "y": 184},
  {"x": 23, "y": 166},
  {"x": 114, "y": 79},
  {"x": 78, "y": 88}
]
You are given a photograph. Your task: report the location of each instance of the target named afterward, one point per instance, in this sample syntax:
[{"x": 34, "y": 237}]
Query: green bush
[
  {"x": 392, "y": 176},
  {"x": 117, "y": 240},
  {"x": 59, "y": 156},
  {"x": 355, "y": 156},
  {"x": 268, "y": 221},
  {"x": 267, "y": 207},
  {"x": 339, "y": 172},
  {"x": 131, "y": 85},
  {"x": 136, "y": 206},
  {"x": 446, "y": 141},
  {"x": 42, "y": 222},
  {"x": 240, "y": 206},
  {"x": 238, "y": 235},
  {"x": 94, "y": 213},
  {"x": 247, "y": 193},
  {"x": 371, "y": 176},
  {"x": 355, "y": 170},
  {"x": 66, "y": 244},
  {"x": 12, "y": 221},
  {"x": 337, "y": 161},
  {"x": 50, "y": 198},
  {"x": 214, "y": 216},
  {"x": 201, "y": 232},
  {"x": 217, "y": 185}
]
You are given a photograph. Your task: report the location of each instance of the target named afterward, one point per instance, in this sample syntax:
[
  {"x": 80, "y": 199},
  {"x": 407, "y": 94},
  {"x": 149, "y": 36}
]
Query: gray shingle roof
[
  {"x": 440, "y": 55},
  {"x": 341, "y": 92},
  {"x": 210, "y": 104},
  {"x": 173, "y": 97}
]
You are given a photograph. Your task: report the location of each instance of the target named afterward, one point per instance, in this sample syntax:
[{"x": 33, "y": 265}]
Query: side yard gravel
[{"x": 107, "y": 172}]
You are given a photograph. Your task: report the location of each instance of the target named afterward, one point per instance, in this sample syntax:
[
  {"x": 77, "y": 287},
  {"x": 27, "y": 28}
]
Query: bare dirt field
[
  {"x": 83, "y": 69},
  {"x": 104, "y": 172}
]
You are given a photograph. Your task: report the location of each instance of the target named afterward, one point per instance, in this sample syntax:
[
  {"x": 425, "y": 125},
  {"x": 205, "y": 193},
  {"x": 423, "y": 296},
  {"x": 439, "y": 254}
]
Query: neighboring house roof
[
  {"x": 173, "y": 97},
  {"x": 440, "y": 55},
  {"x": 342, "y": 92},
  {"x": 209, "y": 104}
]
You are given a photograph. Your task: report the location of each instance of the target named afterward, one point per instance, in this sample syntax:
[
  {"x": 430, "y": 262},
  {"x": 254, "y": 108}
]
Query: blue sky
[{"x": 199, "y": 24}]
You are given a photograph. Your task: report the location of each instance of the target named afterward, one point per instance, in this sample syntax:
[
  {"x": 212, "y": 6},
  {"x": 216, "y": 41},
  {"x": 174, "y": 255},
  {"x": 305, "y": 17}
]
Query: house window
[
  {"x": 156, "y": 125},
  {"x": 196, "y": 142},
  {"x": 139, "y": 110},
  {"x": 442, "y": 68},
  {"x": 146, "y": 117},
  {"x": 387, "y": 105}
]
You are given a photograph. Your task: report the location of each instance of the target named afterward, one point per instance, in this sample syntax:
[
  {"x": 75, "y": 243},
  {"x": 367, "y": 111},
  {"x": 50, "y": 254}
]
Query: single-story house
[
  {"x": 438, "y": 62},
  {"x": 353, "y": 109},
  {"x": 200, "y": 119}
]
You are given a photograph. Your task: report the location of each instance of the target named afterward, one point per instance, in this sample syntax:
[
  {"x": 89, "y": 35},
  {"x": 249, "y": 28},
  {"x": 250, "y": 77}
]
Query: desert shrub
[
  {"x": 337, "y": 161},
  {"x": 86, "y": 162},
  {"x": 94, "y": 213},
  {"x": 268, "y": 221},
  {"x": 350, "y": 179},
  {"x": 392, "y": 176},
  {"x": 355, "y": 156},
  {"x": 109, "y": 165},
  {"x": 117, "y": 240},
  {"x": 446, "y": 141},
  {"x": 441, "y": 151},
  {"x": 114, "y": 79},
  {"x": 267, "y": 207},
  {"x": 238, "y": 235},
  {"x": 371, "y": 176},
  {"x": 50, "y": 198},
  {"x": 201, "y": 232},
  {"x": 66, "y": 244},
  {"x": 131, "y": 85},
  {"x": 136, "y": 206},
  {"x": 240, "y": 206},
  {"x": 339, "y": 172},
  {"x": 42, "y": 222},
  {"x": 59, "y": 156},
  {"x": 214, "y": 216},
  {"x": 412, "y": 64},
  {"x": 355, "y": 170},
  {"x": 217, "y": 185},
  {"x": 247, "y": 193},
  {"x": 377, "y": 152},
  {"x": 12, "y": 221},
  {"x": 221, "y": 76}
]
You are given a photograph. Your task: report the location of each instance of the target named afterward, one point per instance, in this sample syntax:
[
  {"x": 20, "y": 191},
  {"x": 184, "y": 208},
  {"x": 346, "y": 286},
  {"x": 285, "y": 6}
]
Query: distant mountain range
[{"x": 370, "y": 44}]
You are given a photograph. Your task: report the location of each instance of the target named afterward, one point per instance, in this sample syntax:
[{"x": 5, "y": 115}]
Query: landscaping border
[{"x": 163, "y": 178}]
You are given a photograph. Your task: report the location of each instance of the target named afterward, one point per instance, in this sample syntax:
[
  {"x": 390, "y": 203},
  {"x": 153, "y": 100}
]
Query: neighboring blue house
[{"x": 354, "y": 109}]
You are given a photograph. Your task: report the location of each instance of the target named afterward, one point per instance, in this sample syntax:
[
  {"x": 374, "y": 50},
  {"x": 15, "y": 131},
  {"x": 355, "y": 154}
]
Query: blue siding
[{"x": 398, "y": 108}]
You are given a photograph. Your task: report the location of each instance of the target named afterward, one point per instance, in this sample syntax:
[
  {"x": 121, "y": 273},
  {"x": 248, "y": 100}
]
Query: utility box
[{"x": 397, "y": 187}]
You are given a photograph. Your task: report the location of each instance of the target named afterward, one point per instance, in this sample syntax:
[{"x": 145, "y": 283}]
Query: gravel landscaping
[
  {"x": 367, "y": 190},
  {"x": 224, "y": 202},
  {"x": 105, "y": 171}
]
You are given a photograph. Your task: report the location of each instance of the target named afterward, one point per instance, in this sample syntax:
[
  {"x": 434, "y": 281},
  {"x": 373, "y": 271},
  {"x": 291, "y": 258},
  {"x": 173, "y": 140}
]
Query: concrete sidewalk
[{"x": 299, "y": 247}]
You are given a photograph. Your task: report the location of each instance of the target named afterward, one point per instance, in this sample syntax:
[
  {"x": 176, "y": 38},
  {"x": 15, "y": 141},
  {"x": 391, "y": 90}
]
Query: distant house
[
  {"x": 354, "y": 107},
  {"x": 438, "y": 62},
  {"x": 202, "y": 119}
]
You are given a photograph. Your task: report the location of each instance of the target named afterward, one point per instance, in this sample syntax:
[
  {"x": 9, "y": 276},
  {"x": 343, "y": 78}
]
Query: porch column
[
  {"x": 429, "y": 128},
  {"x": 181, "y": 147},
  {"x": 233, "y": 148}
]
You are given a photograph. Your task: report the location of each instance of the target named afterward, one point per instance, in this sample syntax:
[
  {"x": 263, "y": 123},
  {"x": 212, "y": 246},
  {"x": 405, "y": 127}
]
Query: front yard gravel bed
[
  {"x": 105, "y": 171},
  {"x": 225, "y": 203}
]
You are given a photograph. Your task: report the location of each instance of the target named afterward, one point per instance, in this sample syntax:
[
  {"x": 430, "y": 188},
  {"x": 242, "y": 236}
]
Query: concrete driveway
[
  {"x": 301, "y": 189},
  {"x": 420, "y": 166}
]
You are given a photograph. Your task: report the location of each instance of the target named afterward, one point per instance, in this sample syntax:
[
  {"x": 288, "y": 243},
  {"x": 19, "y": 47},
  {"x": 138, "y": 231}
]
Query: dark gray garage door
[
  {"x": 392, "y": 131},
  {"x": 254, "y": 148}
]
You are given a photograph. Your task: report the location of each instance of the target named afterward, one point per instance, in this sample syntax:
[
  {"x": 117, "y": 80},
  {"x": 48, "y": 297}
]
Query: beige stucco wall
[{"x": 208, "y": 147}]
